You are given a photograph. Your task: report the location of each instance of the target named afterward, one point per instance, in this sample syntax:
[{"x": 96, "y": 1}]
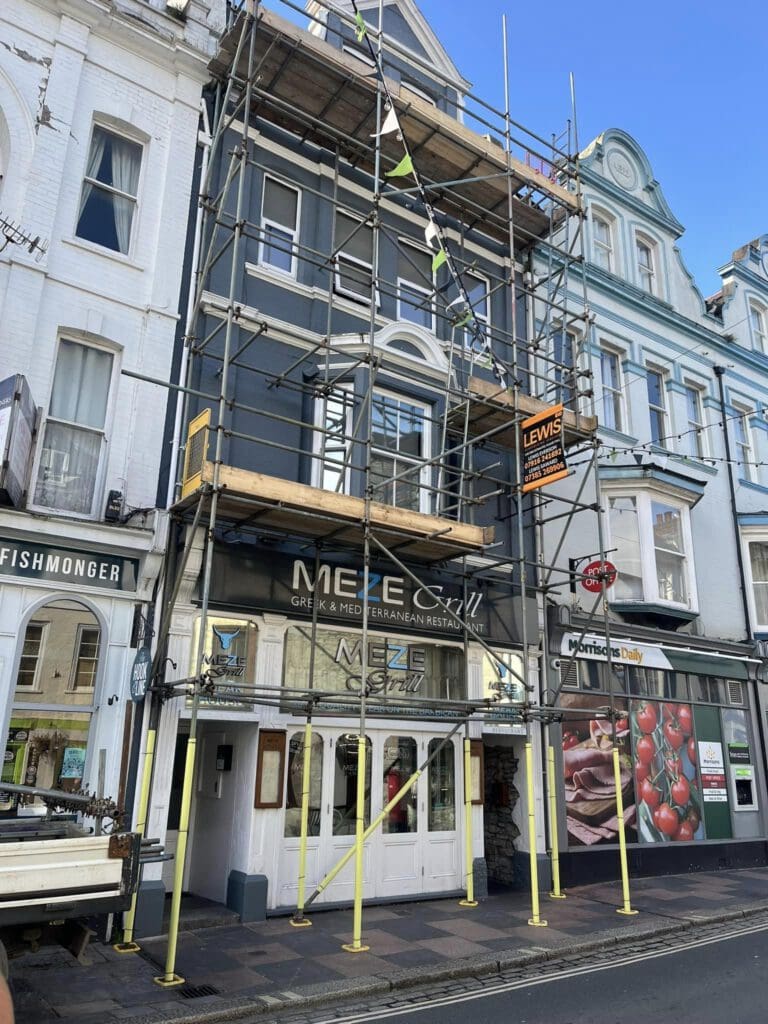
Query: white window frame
[
  {"x": 482, "y": 318},
  {"x": 647, "y": 274},
  {"x": 269, "y": 222},
  {"x": 744, "y": 444},
  {"x": 363, "y": 300},
  {"x": 599, "y": 245},
  {"x": 663, "y": 409},
  {"x": 616, "y": 392},
  {"x": 644, "y": 498},
  {"x": 345, "y": 392},
  {"x": 141, "y": 142},
  {"x": 420, "y": 288},
  {"x": 98, "y": 486},
  {"x": 72, "y": 687},
  {"x": 757, "y": 326},
  {"x": 34, "y": 687},
  {"x": 750, "y": 536},
  {"x": 426, "y": 496},
  {"x": 696, "y": 434}
]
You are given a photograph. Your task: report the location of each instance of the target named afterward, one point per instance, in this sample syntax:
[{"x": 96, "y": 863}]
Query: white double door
[{"x": 417, "y": 847}]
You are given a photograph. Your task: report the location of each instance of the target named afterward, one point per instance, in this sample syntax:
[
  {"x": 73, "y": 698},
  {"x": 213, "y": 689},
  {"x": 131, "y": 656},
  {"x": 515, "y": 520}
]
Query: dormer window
[
  {"x": 602, "y": 242},
  {"x": 646, "y": 268},
  {"x": 757, "y": 323}
]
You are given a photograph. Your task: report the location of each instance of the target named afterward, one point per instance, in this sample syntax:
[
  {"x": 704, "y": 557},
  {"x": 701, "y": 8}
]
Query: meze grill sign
[
  {"x": 62, "y": 565},
  {"x": 543, "y": 455}
]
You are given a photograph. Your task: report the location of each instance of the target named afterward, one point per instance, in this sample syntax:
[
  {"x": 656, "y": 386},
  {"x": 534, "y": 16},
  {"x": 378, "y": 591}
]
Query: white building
[
  {"x": 679, "y": 385},
  {"x": 99, "y": 114}
]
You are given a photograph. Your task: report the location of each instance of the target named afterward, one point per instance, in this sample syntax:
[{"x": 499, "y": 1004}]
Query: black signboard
[
  {"x": 64, "y": 565},
  {"x": 738, "y": 753},
  {"x": 543, "y": 454},
  {"x": 254, "y": 579}
]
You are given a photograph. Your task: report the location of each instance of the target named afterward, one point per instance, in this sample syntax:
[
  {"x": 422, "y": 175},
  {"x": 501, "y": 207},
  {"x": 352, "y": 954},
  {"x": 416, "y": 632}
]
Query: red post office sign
[{"x": 592, "y": 576}]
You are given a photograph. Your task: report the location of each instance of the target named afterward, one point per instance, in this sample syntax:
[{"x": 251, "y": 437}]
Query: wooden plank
[
  {"x": 493, "y": 406},
  {"x": 288, "y": 496}
]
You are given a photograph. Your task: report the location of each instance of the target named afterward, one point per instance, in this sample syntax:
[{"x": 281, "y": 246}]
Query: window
[
  {"x": 414, "y": 286},
  {"x": 417, "y": 91},
  {"x": 477, "y": 289},
  {"x": 442, "y": 788},
  {"x": 354, "y": 256},
  {"x": 694, "y": 438},
  {"x": 400, "y": 444},
  {"x": 279, "y": 225},
  {"x": 86, "y": 658},
  {"x": 602, "y": 244},
  {"x": 611, "y": 374},
  {"x": 564, "y": 354},
  {"x": 758, "y": 561},
  {"x": 345, "y": 784},
  {"x": 295, "y": 781},
  {"x": 331, "y": 472},
  {"x": 759, "y": 330},
  {"x": 29, "y": 664},
  {"x": 650, "y": 536},
  {"x": 657, "y": 407},
  {"x": 743, "y": 437},
  {"x": 67, "y": 473},
  {"x": 645, "y": 265},
  {"x": 399, "y": 765},
  {"x": 110, "y": 187},
  {"x": 51, "y": 718}
]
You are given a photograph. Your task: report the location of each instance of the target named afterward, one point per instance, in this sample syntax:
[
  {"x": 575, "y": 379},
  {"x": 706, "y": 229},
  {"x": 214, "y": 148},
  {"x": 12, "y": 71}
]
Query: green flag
[
  {"x": 464, "y": 320},
  {"x": 360, "y": 30},
  {"x": 438, "y": 260},
  {"x": 404, "y": 167}
]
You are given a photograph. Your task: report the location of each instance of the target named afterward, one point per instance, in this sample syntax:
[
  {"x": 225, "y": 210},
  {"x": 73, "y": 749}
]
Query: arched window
[
  {"x": 602, "y": 242},
  {"x": 54, "y": 699}
]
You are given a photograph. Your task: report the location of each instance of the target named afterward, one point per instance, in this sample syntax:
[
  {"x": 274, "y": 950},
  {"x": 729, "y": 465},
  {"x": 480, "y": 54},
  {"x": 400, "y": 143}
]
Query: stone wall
[{"x": 500, "y": 799}]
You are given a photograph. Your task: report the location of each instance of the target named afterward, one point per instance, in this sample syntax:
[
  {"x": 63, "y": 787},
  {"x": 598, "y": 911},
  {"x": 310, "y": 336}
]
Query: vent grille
[
  {"x": 196, "y": 452},
  {"x": 735, "y": 692},
  {"x": 198, "y": 991},
  {"x": 569, "y": 674}
]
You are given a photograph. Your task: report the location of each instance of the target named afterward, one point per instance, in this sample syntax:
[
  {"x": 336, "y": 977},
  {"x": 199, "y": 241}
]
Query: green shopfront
[{"x": 691, "y": 762}]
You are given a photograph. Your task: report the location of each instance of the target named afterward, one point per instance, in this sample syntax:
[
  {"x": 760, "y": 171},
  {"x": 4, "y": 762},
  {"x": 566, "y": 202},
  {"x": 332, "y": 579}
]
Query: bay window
[
  {"x": 74, "y": 433},
  {"x": 650, "y": 539}
]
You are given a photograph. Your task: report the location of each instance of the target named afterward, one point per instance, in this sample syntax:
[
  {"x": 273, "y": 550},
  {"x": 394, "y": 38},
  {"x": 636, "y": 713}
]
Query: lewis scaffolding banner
[{"x": 543, "y": 454}]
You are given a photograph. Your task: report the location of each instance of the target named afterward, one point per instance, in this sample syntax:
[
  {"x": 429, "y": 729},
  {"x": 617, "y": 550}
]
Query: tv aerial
[{"x": 14, "y": 234}]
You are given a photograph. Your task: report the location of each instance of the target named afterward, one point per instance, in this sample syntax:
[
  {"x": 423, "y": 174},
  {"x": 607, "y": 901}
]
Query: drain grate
[{"x": 196, "y": 991}]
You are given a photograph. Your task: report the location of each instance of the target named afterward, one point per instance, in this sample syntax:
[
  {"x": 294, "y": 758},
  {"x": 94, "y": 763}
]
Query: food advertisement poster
[
  {"x": 669, "y": 802},
  {"x": 590, "y": 789}
]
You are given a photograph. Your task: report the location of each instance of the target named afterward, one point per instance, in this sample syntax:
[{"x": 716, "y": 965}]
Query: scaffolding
[{"x": 520, "y": 195}]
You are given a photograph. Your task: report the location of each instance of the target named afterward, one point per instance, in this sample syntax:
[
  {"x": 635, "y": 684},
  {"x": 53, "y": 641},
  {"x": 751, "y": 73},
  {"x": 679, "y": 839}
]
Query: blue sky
[{"x": 689, "y": 81}]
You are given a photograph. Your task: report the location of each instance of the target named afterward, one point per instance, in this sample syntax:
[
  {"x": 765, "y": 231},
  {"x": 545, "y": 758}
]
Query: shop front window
[
  {"x": 399, "y": 766},
  {"x": 442, "y": 788},
  {"x": 345, "y": 784},
  {"x": 295, "y": 783},
  {"x": 47, "y": 741},
  {"x": 396, "y": 666}
]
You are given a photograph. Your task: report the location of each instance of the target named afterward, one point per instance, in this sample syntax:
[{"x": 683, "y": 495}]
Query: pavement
[{"x": 233, "y": 971}]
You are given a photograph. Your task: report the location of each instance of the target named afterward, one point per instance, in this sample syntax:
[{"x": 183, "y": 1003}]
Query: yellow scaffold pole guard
[
  {"x": 535, "y": 920},
  {"x": 557, "y": 893},
  {"x": 470, "y": 901},
  {"x": 298, "y": 920},
  {"x": 170, "y": 978},
  {"x": 627, "y": 907},
  {"x": 128, "y": 945},
  {"x": 356, "y": 946}
]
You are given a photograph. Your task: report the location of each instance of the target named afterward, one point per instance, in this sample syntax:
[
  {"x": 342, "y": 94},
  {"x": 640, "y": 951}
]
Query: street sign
[
  {"x": 140, "y": 674},
  {"x": 593, "y": 571}
]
